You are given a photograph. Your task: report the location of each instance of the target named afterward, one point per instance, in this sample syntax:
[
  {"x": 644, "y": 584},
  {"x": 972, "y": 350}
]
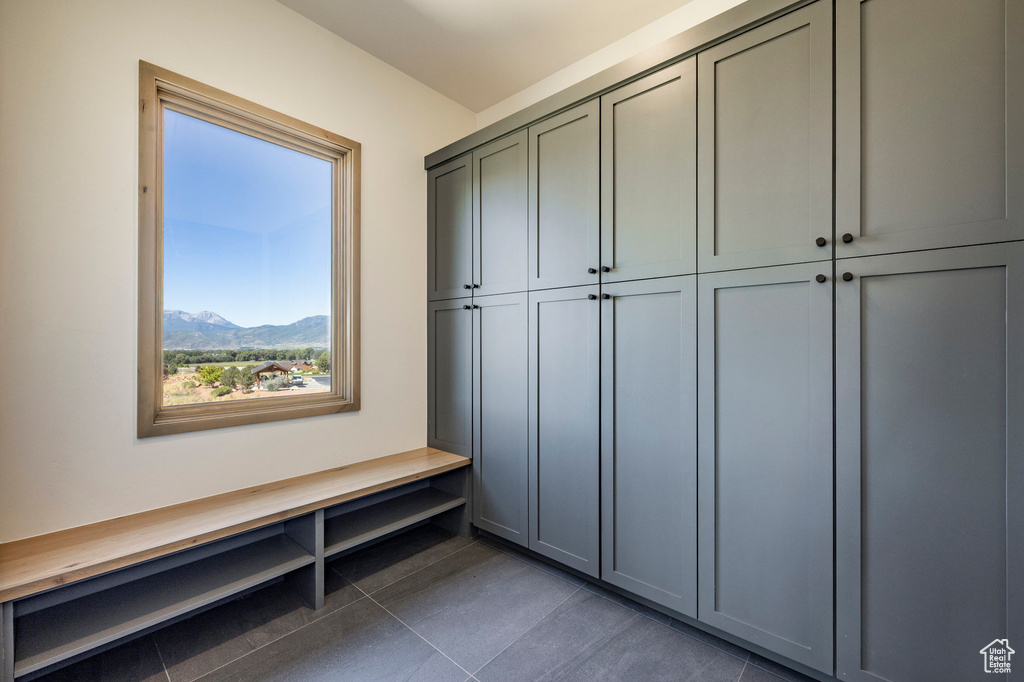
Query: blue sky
[{"x": 247, "y": 226}]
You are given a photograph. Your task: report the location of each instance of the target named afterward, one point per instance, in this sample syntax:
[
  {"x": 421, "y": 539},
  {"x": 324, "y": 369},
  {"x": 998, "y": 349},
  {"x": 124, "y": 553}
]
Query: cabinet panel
[
  {"x": 564, "y": 198},
  {"x": 450, "y": 376},
  {"x": 500, "y": 417},
  {"x": 649, "y": 176},
  {"x": 765, "y": 136},
  {"x": 450, "y": 229},
  {"x": 930, "y": 488},
  {"x": 501, "y": 216},
  {"x": 564, "y": 426},
  {"x": 765, "y": 459},
  {"x": 930, "y": 123},
  {"x": 649, "y": 440}
]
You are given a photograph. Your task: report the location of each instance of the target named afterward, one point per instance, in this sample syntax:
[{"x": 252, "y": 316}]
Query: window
[{"x": 248, "y": 262}]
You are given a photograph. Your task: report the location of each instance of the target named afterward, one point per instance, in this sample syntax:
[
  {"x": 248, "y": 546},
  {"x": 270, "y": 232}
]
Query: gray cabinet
[
  {"x": 500, "y": 216},
  {"x": 765, "y": 144},
  {"x": 500, "y": 424},
  {"x": 565, "y": 191},
  {"x": 649, "y": 440},
  {"x": 450, "y": 229},
  {"x": 765, "y": 456},
  {"x": 929, "y": 124},
  {"x": 564, "y": 366},
  {"x": 649, "y": 176},
  {"x": 450, "y": 376},
  {"x": 929, "y": 469}
]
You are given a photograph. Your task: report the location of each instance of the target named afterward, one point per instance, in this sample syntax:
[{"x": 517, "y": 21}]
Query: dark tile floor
[{"x": 429, "y": 606}]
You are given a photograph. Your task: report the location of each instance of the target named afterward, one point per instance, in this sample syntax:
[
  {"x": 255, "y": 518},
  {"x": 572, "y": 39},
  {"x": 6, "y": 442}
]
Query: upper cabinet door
[
  {"x": 450, "y": 229},
  {"x": 929, "y": 124},
  {"x": 500, "y": 216},
  {"x": 564, "y": 199},
  {"x": 765, "y": 136},
  {"x": 929, "y": 462},
  {"x": 765, "y": 458},
  {"x": 649, "y": 176}
]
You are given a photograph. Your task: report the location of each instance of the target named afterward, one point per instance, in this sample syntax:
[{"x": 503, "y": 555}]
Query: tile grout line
[
  {"x": 407, "y": 626},
  {"x": 277, "y": 639},
  {"x": 160, "y": 655},
  {"x": 740, "y": 678},
  {"x": 532, "y": 626}
]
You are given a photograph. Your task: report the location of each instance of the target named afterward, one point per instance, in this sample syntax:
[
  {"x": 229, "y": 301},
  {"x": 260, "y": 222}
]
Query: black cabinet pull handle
[
  {"x": 466, "y": 286},
  {"x": 847, "y": 238},
  {"x": 847, "y": 276},
  {"x": 592, "y": 297},
  {"x": 820, "y": 279},
  {"x": 592, "y": 271},
  {"x": 605, "y": 268},
  {"x": 821, "y": 241},
  {"x": 606, "y": 296}
]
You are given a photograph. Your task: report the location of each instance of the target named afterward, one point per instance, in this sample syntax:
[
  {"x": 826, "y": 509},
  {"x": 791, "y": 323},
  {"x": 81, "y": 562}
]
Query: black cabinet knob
[
  {"x": 821, "y": 241},
  {"x": 847, "y": 238},
  {"x": 820, "y": 279},
  {"x": 606, "y": 296},
  {"x": 466, "y": 286},
  {"x": 466, "y": 307},
  {"x": 592, "y": 271},
  {"x": 592, "y": 297},
  {"x": 605, "y": 268},
  {"x": 476, "y": 307},
  {"x": 476, "y": 286},
  {"x": 847, "y": 276}
]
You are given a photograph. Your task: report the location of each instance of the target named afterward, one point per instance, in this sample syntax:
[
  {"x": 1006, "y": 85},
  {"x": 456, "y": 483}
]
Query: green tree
[
  {"x": 247, "y": 379},
  {"x": 324, "y": 362},
  {"x": 305, "y": 353},
  {"x": 231, "y": 377},
  {"x": 210, "y": 374}
]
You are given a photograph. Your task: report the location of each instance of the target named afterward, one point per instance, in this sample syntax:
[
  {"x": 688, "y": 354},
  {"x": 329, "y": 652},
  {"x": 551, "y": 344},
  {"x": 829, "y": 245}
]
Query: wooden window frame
[{"x": 160, "y": 89}]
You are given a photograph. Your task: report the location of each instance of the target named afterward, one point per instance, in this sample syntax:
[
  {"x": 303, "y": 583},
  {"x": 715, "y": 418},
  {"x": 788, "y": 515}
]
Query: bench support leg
[
  {"x": 7, "y": 641},
  {"x": 308, "y": 532}
]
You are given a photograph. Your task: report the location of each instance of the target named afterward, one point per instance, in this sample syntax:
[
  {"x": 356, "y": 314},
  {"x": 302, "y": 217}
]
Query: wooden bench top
[{"x": 46, "y": 561}]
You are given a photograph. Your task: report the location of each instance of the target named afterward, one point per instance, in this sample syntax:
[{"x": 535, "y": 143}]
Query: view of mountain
[{"x": 209, "y": 331}]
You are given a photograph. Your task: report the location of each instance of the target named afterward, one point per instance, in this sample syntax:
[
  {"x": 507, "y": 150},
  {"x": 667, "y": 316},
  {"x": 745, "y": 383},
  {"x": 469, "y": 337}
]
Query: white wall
[
  {"x": 68, "y": 248},
  {"x": 686, "y": 17}
]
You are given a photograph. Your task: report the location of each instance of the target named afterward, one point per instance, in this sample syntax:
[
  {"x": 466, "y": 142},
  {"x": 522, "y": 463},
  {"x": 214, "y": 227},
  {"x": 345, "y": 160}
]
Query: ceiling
[{"x": 479, "y": 52}]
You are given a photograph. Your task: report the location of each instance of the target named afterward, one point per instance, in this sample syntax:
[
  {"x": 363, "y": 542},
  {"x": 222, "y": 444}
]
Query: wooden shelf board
[
  {"x": 362, "y": 525},
  {"x": 66, "y": 630},
  {"x": 47, "y": 561}
]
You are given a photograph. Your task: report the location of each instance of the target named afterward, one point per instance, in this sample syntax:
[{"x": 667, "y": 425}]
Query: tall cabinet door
[
  {"x": 649, "y": 176},
  {"x": 649, "y": 440},
  {"x": 500, "y": 424},
  {"x": 929, "y": 124},
  {"x": 450, "y": 376},
  {"x": 450, "y": 229},
  {"x": 565, "y": 178},
  {"x": 930, "y": 462},
  {"x": 765, "y": 458},
  {"x": 564, "y": 426},
  {"x": 765, "y": 131},
  {"x": 500, "y": 216}
]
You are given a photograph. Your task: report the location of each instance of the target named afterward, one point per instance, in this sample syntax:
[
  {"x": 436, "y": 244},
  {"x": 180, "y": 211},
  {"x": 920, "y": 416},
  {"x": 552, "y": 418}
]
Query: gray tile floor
[{"x": 429, "y": 606}]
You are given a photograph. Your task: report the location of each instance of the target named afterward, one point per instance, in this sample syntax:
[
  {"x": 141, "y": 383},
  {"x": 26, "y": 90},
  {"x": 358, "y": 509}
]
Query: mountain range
[{"x": 207, "y": 330}]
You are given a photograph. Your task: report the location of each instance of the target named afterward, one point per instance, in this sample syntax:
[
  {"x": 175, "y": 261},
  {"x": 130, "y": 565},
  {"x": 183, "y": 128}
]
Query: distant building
[{"x": 272, "y": 368}]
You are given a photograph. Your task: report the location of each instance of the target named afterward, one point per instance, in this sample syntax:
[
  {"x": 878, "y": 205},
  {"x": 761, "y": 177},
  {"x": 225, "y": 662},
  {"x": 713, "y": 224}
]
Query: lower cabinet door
[
  {"x": 450, "y": 376},
  {"x": 649, "y": 440},
  {"x": 500, "y": 426},
  {"x": 930, "y": 464},
  {"x": 765, "y": 456},
  {"x": 564, "y": 426}
]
